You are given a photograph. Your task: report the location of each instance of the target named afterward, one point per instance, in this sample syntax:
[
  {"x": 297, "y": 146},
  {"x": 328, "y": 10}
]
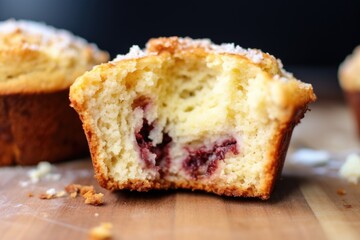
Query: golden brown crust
[
  {"x": 281, "y": 142},
  {"x": 175, "y": 45},
  {"x": 39, "y": 127},
  {"x": 217, "y": 188},
  {"x": 93, "y": 145},
  {"x": 38, "y": 58}
]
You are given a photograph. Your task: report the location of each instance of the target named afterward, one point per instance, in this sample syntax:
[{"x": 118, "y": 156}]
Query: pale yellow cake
[{"x": 190, "y": 114}]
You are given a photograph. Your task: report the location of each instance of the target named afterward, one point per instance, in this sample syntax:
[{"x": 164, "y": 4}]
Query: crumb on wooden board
[{"x": 101, "y": 232}]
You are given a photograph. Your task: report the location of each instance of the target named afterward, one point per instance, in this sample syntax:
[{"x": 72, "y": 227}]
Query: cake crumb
[
  {"x": 51, "y": 191},
  {"x": 94, "y": 198},
  {"x": 51, "y": 194},
  {"x": 87, "y": 192},
  {"x": 350, "y": 170},
  {"x": 60, "y": 194},
  {"x": 341, "y": 192},
  {"x": 86, "y": 189},
  {"x": 102, "y": 232},
  {"x": 71, "y": 188},
  {"x": 41, "y": 172},
  {"x": 73, "y": 194},
  {"x": 45, "y": 196},
  {"x": 30, "y": 194},
  {"x": 96, "y": 214},
  {"x": 347, "y": 205}
]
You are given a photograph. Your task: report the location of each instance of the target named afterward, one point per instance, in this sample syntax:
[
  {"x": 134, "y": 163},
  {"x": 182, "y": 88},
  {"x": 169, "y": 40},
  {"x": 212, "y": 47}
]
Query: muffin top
[
  {"x": 294, "y": 91},
  {"x": 36, "y": 58},
  {"x": 173, "y": 58},
  {"x": 349, "y": 72}
]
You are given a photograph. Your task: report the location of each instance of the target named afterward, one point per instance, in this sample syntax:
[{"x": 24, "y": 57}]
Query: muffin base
[
  {"x": 281, "y": 144},
  {"x": 353, "y": 100},
  {"x": 39, "y": 127}
]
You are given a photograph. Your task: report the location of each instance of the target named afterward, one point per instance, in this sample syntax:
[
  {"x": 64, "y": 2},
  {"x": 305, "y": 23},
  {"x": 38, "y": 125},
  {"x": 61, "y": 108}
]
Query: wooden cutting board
[{"x": 305, "y": 204}]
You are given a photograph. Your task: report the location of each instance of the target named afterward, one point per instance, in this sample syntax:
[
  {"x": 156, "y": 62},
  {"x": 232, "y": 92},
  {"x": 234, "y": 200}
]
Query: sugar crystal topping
[
  {"x": 134, "y": 52},
  {"x": 56, "y": 39},
  {"x": 47, "y": 33},
  {"x": 189, "y": 42},
  {"x": 254, "y": 55}
]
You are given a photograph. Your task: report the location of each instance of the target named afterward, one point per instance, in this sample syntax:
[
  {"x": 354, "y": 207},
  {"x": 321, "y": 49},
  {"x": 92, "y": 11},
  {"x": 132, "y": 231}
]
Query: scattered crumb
[
  {"x": 87, "y": 189},
  {"x": 51, "y": 191},
  {"x": 60, "y": 194},
  {"x": 347, "y": 205},
  {"x": 87, "y": 192},
  {"x": 45, "y": 196},
  {"x": 51, "y": 194},
  {"x": 102, "y": 232},
  {"x": 310, "y": 157},
  {"x": 73, "y": 194},
  {"x": 341, "y": 192},
  {"x": 96, "y": 214},
  {"x": 30, "y": 194},
  {"x": 94, "y": 198},
  {"x": 350, "y": 170},
  {"x": 71, "y": 188},
  {"x": 42, "y": 171}
]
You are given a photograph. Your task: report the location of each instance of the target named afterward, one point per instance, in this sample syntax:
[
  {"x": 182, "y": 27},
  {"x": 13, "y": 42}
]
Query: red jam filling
[
  {"x": 204, "y": 161},
  {"x": 199, "y": 163},
  {"x": 147, "y": 149}
]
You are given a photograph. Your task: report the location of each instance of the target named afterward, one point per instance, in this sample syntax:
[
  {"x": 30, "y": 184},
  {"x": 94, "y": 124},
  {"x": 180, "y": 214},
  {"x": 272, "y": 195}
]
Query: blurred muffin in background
[
  {"x": 38, "y": 63},
  {"x": 349, "y": 77}
]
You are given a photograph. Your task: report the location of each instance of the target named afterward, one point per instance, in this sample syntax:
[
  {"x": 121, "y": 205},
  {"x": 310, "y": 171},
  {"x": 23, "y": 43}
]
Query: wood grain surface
[{"x": 304, "y": 205}]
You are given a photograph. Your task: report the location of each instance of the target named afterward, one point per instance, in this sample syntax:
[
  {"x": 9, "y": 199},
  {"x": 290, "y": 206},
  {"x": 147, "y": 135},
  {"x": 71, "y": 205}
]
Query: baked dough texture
[
  {"x": 38, "y": 63},
  {"x": 190, "y": 114}
]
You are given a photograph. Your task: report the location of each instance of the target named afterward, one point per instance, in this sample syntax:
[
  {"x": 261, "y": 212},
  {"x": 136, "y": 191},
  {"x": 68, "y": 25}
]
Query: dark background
[{"x": 311, "y": 37}]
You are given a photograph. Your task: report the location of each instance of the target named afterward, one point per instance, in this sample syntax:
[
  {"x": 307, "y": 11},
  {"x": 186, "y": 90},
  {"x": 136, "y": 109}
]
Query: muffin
[
  {"x": 38, "y": 63},
  {"x": 349, "y": 78},
  {"x": 190, "y": 114}
]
